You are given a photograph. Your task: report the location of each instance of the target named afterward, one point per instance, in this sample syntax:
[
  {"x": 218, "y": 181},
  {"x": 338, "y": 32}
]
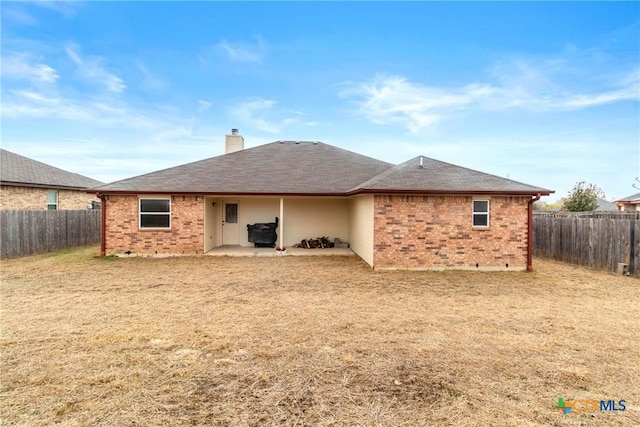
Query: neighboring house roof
[
  {"x": 314, "y": 168},
  {"x": 23, "y": 171},
  {"x": 604, "y": 205},
  {"x": 634, "y": 198}
]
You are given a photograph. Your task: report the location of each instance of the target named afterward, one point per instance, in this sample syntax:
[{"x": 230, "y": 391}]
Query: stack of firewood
[{"x": 318, "y": 243}]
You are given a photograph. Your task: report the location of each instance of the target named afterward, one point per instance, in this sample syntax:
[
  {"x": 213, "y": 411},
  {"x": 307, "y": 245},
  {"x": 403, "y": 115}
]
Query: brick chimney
[{"x": 233, "y": 142}]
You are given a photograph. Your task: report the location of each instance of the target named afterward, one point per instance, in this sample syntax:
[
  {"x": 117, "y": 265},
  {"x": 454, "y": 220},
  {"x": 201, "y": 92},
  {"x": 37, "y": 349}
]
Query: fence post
[{"x": 632, "y": 246}]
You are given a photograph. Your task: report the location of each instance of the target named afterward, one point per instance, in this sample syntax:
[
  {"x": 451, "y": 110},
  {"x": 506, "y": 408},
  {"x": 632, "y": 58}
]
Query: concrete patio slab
[{"x": 271, "y": 252}]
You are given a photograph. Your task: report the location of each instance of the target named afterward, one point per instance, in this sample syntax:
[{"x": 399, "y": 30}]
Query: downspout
[
  {"x": 103, "y": 223},
  {"x": 530, "y": 231},
  {"x": 281, "y": 232}
]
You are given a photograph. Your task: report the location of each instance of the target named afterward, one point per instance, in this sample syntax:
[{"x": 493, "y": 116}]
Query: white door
[{"x": 230, "y": 226}]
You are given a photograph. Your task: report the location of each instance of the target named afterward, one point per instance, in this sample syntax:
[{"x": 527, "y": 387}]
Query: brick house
[
  {"x": 629, "y": 204},
  {"x": 421, "y": 214},
  {"x": 26, "y": 184}
]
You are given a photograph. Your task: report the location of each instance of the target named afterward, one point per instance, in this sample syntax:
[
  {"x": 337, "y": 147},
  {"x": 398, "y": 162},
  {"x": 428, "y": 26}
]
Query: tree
[
  {"x": 583, "y": 197},
  {"x": 545, "y": 206}
]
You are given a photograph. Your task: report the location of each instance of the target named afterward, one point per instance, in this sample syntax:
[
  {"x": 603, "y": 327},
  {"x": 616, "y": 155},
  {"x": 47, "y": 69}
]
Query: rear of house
[{"x": 421, "y": 214}]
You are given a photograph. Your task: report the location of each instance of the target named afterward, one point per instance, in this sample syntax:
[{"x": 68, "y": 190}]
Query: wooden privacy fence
[
  {"x": 32, "y": 232},
  {"x": 598, "y": 239}
]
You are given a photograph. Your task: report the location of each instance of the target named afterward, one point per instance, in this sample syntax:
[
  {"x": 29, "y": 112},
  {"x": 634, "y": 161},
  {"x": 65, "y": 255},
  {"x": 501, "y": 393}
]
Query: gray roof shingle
[
  {"x": 631, "y": 198},
  {"x": 426, "y": 174},
  {"x": 283, "y": 167},
  {"x": 293, "y": 167},
  {"x": 605, "y": 205},
  {"x": 20, "y": 170}
]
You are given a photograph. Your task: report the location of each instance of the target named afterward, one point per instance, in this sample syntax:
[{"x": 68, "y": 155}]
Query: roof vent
[{"x": 421, "y": 165}]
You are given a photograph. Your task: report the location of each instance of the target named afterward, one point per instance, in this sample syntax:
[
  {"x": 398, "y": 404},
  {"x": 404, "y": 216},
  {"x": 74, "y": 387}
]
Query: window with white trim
[
  {"x": 155, "y": 213},
  {"x": 52, "y": 200},
  {"x": 481, "y": 213}
]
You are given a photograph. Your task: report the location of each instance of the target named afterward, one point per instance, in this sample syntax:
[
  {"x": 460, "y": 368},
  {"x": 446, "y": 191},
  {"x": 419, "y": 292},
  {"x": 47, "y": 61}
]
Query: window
[
  {"x": 52, "y": 200},
  {"x": 480, "y": 213},
  {"x": 231, "y": 213},
  {"x": 155, "y": 213}
]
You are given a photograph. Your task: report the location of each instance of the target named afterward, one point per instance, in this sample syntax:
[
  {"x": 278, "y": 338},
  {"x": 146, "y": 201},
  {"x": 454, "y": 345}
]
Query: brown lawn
[{"x": 311, "y": 341}]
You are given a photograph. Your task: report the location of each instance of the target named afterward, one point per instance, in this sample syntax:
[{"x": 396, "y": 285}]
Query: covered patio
[{"x": 248, "y": 251}]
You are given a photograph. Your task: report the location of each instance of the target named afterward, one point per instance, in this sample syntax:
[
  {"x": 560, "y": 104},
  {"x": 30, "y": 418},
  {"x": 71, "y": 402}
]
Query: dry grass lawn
[{"x": 310, "y": 341}]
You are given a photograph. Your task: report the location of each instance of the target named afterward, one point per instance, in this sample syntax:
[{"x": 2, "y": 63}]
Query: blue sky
[{"x": 543, "y": 93}]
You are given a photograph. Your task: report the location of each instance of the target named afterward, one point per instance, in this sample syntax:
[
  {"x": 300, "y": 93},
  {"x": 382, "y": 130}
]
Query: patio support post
[{"x": 281, "y": 233}]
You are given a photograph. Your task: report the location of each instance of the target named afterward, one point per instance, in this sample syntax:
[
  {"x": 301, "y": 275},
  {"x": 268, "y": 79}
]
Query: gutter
[
  {"x": 539, "y": 192},
  {"x": 326, "y": 194},
  {"x": 217, "y": 193},
  {"x": 49, "y": 186},
  {"x": 530, "y": 231},
  {"x": 103, "y": 223}
]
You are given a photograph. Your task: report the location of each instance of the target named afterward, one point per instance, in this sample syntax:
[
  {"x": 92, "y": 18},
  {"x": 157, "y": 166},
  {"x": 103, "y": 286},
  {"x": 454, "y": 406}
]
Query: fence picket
[
  {"x": 599, "y": 240},
  {"x": 32, "y": 232}
]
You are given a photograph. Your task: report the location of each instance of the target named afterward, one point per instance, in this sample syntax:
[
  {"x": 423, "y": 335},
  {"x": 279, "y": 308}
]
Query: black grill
[{"x": 263, "y": 234}]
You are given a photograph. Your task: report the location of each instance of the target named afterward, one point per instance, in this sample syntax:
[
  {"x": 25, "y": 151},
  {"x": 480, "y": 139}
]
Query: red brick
[
  {"x": 437, "y": 232},
  {"x": 185, "y": 236}
]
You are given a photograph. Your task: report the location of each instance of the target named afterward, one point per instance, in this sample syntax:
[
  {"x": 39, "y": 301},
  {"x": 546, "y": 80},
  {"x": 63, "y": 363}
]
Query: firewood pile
[{"x": 318, "y": 243}]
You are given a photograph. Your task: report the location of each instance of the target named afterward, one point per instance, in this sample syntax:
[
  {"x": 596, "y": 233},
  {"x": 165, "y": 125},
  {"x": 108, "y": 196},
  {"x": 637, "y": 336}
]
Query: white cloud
[
  {"x": 561, "y": 85},
  {"x": 66, "y": 8},
  {"x": 22, "y": 66},
  {"x": 263, "y": 115},
  {"x": 34, "y": 96},
  {"x": 394, "y": 99},
  {"x": 253, "y": 112},
  {"x": 203, "y": 105},
  {"x": 627, "y": 88},
  {"x": 150, "y": 80},
  {"x": 234, "y": 52},
  {"x": 86, "y": 108},
  {"x": 591, "y": 100},
  {"x": 91, "y": 69},
  {"x": 32, "y": 108},
  {"x": 552, "y": 85},
  {"x": 17, "y": 12},
  {"x": 17, "y": 15},
  {"x": 23, "y": 104},
  {"x": 243, "y": 52}
]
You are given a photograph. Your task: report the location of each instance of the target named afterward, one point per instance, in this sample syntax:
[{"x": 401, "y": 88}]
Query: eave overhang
[
  {"x": 326, "y": 194},
  {"x": 49, "y": 186}
]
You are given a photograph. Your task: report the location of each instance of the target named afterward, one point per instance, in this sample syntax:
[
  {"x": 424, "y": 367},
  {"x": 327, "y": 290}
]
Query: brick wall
[
  {"x": 35, "y": 199},
  {"x": 186, "y": 235},
  {"x": 436, "y": 232}
]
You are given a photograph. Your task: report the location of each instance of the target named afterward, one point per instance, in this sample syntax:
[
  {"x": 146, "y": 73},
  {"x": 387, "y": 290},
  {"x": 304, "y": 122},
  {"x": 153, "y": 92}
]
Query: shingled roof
[
  {"x": 313, "y": 168},
  {"x": 282, "y": 167},
  {"x": 632, "y": 198},
  {"x": 424, "y": 174},
  {"x": 23, "y": 171}
]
